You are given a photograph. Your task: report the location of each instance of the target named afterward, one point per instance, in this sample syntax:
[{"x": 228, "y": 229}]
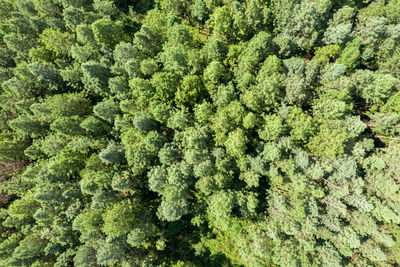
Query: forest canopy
[{"x": 199, "y": 133}]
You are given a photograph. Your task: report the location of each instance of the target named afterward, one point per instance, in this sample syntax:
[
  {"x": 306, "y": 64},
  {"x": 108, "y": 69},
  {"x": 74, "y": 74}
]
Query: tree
[
  {"x": 174, "y": 60},
  {"x": 227, "y": 119},
  {"x": 340, "y": 26},
  {"x": 214, "y": 74},
  {"x": 220, "y": 21},
  {"x": 46, "y": 73},
  {"x": 273, "y": 128},
  {"x": 224, "y": 94},
  {"x": 259, "y": 47},
  {"x": 236, "y": 143},
  {"x": 147, "y": 41},
  {"x": 106, "y": 32},
  {"x": 111, "y": 252},
  {"x": 337, "y": 34},
  {"x": 307, "y": 19},
  {"x": 119, "y": 219},
  {"x": 149, "y": 67},
  {"x": 392, "y": 105},
  {"x": 123, "y": 181},
  {"x": 172, "y": 211},
  {"x": 144, "y": 122},
  {"x": 61, "y": 105},
  {"x": 86, "y": 256},
  {"x": 73, "y": 16},
  {"x": 198, "y": 10},
  {"x": 325, "y": 54},
  {"x": 370, "y": 32},
  {"x": 95, "y": 77},
  {"x": 26, "y": 125},
  {"x": 23, "y": 209},
  {"x": 25, "y": 252},
  {"x": 168, "y": 154},
  {"x": 12, "y": 145},
  {"x": 199, "y": 133},
  {"x": 112, "y": 154},
  {"x": 302, "y": 125},
  {"x": 330, "y": 141},
  {"x": 179, "y": 120},
  {"x": 69, "y": 126},
  {"x": 57, "y": 41},
  {"x": 333, "y": 103},
  {"x": 190, "y": 92},
  {"x": 267, "y": 93},
  {"x": 118, "y": 87},
  {"x": 165, "y": 84},
  {"x": 105, "y": 7},
  {"x": 350, "y": 56},
  {"x": 374, "y": 87},
  {"x": 123, "y": 52},
  {"x": 179, "y": 34},
  {"x": 95, "y": 126},
  {"x": 106, "y": 110}
]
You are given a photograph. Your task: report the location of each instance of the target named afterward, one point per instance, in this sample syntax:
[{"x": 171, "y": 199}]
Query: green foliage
[
  {"x": 95, "y": 77},
  {"x": 106, "y": 32},
  {"x": 106, "y": 110},
  {"x": 214, "y": 73},
  {"x": 350, "y": 56},
  {"x": 221, "y": 21},
  {"x": 26, "y": 125},
  {"x": 340, "y": 26},
  {"x": 236, "y": 143},
  {"x": 85, "y": 256},
  {"x": 112, "y": 154},
  {"x": 119, "y": 219},
  {"x": 147, "y": 41},
  {"x": 24, "y": 208},
  {"x": 47, "y": 74},
  {"x": 94, "y": 125},
  {"x": 12, "y": 145},
  {"x": 393, "y": 104},
  {"x": 334, "y": 103},
  {"x": 56, "y": 41},
  {"x": 31, "y": 247},
  {"x": 273, "y": 127},
  {"x": 303, "y": 27},
  {"x": 373, "y": 87},
  {"x": 325, "y": 54},
  {"x": 302, "y": 125},
  {"x": 165, "y": 84},
  {"x": 258, "y": 48},
  {"x": 199, "y": 133},
  {"x": 330, "y": 141},
  {"x": 174, "y": 60},
  {"x": 190, "y": 91},
  {"x": 198, "y": 10}
]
